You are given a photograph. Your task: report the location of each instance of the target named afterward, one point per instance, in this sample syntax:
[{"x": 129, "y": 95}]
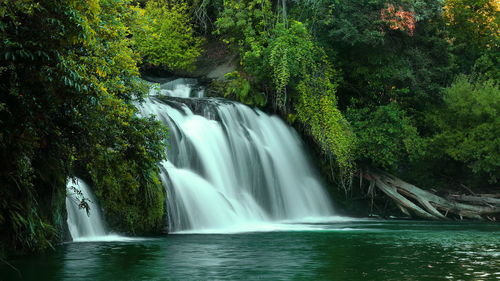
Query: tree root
[{"x": 423, "y": 204}]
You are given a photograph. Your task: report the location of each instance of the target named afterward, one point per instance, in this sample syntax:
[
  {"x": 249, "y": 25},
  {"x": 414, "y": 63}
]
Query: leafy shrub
[
  {"x": 386, "y": 137},
  {"x": 469, "y": 125},
  {"x": 167, "y": 38}
]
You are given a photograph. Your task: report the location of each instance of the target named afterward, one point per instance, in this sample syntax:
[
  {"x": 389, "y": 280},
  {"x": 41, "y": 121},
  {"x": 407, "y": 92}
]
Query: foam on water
[
  {"x": 83, "y": 226},
  {"x": 108, "y": 238},
  {"x": 231, "y": 168}
]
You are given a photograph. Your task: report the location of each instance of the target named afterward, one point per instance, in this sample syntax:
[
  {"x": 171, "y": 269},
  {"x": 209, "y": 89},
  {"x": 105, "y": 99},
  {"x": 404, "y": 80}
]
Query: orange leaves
[{"x": 398, "y": 19}]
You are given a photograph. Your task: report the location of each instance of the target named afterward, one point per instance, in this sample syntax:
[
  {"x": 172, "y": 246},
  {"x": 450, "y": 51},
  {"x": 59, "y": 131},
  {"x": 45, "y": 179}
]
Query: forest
[{"x": 400, "y": 89}]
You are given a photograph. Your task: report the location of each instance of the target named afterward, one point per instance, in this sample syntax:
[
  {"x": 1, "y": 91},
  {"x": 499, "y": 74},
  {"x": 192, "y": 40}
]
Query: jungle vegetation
[{"x": 410, "y": 87}]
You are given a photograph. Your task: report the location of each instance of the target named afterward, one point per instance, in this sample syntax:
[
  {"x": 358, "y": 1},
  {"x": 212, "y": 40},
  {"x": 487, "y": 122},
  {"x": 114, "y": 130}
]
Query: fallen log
[
  {"x": 427, "y": 205},
  {"x": 476, "y": 199},
  {"x": 497, "y": 195},
  {"x": 403, "y": 203}
]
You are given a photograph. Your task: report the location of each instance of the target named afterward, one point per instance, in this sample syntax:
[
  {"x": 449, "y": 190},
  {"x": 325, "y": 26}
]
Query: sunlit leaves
[
  {"x": 167, "y": 38},
  {"x": 291, "y": 55},
  {"x": 245, "y": 26},
  {"x": 317, "y": 110},
  {"x": 68, "y": 82},
  {"x": 474, "y": 26},
  {"x": 235, "y": 86}
]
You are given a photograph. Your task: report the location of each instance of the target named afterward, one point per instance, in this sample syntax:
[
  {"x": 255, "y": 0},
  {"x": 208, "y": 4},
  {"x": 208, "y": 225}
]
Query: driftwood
[
  {"x": 415, "y": 201},
  {"x": 488, "y": 201}
]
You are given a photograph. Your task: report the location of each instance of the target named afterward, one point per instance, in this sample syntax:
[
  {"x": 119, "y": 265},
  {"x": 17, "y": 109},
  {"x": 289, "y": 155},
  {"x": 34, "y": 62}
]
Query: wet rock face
[
  {"x": 176, "y": 87},
  {"x": 206, "y": 107}
]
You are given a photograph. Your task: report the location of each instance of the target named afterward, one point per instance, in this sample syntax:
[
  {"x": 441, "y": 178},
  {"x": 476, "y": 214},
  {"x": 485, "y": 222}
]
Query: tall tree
[{"x": 68, "y": 80}]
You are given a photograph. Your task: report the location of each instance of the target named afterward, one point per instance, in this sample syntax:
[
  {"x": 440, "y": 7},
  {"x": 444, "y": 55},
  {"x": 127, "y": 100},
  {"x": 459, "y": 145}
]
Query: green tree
[
  {"x": 291, "y": 54},
  {"x": 167, "y": 38},
  {"x": 387, "y": 52},
  {"x": 386, "y": 137},
  {"x": 474, "y": 27},
  {"x": 279, "y": 50},
  {"x": 68, "y": 81},
  {"x": 317, "y": 110},
  {"x": 469, "y": 126},
  {"x": 245, "y": 26}
]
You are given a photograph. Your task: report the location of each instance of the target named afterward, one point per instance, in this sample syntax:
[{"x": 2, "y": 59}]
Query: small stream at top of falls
[{"x": 229, "y": 167}]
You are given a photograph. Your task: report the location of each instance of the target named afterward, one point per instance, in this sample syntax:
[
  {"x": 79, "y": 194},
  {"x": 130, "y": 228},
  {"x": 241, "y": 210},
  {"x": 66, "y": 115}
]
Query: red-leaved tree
[{"x": 398, "y": 19}]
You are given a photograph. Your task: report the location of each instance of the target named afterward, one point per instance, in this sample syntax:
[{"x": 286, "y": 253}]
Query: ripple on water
[{"x": 361, "y": 250}]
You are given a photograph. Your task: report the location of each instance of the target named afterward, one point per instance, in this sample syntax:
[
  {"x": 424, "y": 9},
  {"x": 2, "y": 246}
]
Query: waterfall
[
  {"x": 181, "y": 87},
  {"x": 81, "y": 224},
  {"x": 231, "y": 166}
]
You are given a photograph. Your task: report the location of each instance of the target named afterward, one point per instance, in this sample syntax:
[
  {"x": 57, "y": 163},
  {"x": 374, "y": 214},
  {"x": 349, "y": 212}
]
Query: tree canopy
[
  {"x": 409, "y": 87},
  {"x": 69, "y": 84},
  {"x": 393, "y": 75}
]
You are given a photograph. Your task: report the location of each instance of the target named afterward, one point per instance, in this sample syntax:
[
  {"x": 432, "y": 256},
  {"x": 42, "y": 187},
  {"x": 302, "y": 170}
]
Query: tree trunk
[{"x": 427, "y": 205}]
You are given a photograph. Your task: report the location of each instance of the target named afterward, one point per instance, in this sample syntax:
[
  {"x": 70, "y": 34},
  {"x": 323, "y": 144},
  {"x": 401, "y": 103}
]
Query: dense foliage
[
  {"x": 469, "y": 126},
  {"x": 69, "y": 83},
  {"x": 167, "y": 37},
  {"x": 371, "y": 81},
  {"x": 474, "y": 27},
  {"x": 273, "y": 48},
  {"x": 407, "y": 86},
  {"x": 385, "y": 135}
]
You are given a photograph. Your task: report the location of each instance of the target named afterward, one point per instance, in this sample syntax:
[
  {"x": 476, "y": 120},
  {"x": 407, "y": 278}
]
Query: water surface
[{"x": 345, "y": 250}]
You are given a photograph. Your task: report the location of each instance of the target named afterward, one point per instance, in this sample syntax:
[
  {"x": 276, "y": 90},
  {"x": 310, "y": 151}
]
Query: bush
[
  {"x": 469, "y": 124},
  {"x": 386, "y": 137},
  {"x": 167, "y": 38}
]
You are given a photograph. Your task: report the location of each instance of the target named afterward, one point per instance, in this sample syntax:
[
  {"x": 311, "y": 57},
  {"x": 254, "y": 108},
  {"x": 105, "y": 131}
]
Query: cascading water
[
  {"x": 83, "y": 225},
  {"x": 181, "y": 87},
  {"x": 232, "y": 167}
]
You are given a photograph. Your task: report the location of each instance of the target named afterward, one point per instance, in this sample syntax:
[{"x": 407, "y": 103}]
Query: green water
[{"x": 361, "y": 250}]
